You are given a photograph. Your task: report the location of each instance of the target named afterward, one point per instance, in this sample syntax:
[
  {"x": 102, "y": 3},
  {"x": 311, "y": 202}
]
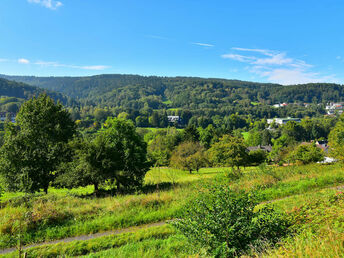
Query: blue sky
[{"x": 294, "y": 41}]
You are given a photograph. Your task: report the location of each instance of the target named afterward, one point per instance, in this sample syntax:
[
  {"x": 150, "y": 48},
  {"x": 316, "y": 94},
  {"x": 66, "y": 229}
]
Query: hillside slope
[
  {"x": 132, "y": 91},
  {"x": 24, "y": 91}
]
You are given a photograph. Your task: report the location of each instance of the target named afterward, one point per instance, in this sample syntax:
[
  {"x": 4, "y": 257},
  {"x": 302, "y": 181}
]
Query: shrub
[
  {"x": 307, "y": 153},
  {"x": 226, "y": 223},
  {"x": 257, "y": 157}
]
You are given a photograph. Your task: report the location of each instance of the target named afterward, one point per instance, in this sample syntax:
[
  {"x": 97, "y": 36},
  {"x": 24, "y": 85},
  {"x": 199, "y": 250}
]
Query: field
[{"x": 310, "y": 192}]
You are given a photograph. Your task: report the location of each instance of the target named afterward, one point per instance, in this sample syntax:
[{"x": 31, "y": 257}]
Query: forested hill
[
  {"x": 25, "y": 91},
  {"x": 133, "y": 91}
]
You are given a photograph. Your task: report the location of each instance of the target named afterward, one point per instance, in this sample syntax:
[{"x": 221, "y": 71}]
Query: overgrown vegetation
[
  {"x": 106, "y": 172},
  {"x": 226, "y": 223}
]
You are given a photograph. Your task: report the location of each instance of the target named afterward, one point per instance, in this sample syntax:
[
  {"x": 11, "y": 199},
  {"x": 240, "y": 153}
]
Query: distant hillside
[
  {"x": 21, "y": 90},
  {"x": 133, "y": 91}
]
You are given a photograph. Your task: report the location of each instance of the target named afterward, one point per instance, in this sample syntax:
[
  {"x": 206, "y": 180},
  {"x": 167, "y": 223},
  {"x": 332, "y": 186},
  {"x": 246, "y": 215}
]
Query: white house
[{"x": 282, "y": 121}]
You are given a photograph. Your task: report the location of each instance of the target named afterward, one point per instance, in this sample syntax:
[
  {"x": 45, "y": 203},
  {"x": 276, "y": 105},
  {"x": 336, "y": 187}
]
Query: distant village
[{"x": 331, "y": 107}]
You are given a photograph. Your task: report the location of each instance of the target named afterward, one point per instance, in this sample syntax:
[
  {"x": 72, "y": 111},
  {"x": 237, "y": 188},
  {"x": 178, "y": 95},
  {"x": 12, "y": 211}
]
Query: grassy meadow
[{"x": 310, "y": 193}]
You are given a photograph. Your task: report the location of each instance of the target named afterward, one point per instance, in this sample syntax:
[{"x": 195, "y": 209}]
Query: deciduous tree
[{"x": 36, "y": 145}]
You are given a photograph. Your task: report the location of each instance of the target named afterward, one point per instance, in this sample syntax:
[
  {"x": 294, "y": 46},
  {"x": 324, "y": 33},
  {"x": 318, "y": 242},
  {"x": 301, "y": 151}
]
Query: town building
[{"x": 282, "y": 121}]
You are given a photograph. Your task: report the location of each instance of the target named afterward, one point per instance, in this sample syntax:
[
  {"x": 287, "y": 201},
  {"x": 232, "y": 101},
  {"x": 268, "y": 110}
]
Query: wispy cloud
[
  {"x": 156, "y": 37},
  {"x": 276, "y": 66},
  {"x": 202, "y": 44},
  {"x": 86, "y": 67},
  {"x": 50, "y": 4},
  {"x": 95, "y": 67},
  {"x": 23, "y": 61}
]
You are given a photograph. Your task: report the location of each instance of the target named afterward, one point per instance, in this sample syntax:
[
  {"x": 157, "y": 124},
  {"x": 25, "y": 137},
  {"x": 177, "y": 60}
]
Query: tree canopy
[{"x": 36, "y": 145}]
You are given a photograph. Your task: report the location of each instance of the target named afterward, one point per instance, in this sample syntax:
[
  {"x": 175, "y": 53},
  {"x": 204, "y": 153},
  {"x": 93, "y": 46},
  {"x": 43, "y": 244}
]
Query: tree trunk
[
  {"x": 96, "y": 188},
  {"x": 118, "y": 185}
]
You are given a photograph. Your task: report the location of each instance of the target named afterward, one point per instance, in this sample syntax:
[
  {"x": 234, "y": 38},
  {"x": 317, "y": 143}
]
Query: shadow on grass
[{"x": 146, "y": 189}]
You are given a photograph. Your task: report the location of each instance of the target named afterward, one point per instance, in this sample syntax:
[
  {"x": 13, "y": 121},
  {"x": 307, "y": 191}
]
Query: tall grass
[
  {"x": 77, "y": 248},
  {"x": 63, "y": 213}
]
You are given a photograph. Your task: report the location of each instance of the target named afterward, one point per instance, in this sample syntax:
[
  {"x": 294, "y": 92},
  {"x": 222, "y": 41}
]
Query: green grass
[
  {"x": 64, "y": 213},
  {"x": 167, "y": 102},
  {"x": 173, "y": 246},
  {"x": 76, "y": 248},
  {"x": 245, "y": 135}
]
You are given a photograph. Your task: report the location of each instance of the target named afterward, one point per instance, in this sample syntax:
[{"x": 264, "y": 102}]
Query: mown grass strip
[{"x": 77, "y": 248}]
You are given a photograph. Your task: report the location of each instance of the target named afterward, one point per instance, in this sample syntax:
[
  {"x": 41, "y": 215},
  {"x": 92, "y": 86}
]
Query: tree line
[{"x": 45, "y": 148}]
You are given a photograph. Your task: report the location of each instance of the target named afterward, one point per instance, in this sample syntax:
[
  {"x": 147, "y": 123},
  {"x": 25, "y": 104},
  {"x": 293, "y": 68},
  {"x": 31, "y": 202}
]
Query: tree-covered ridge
[
  {"x": 134, "y": 91},
  {"x": 19, "y": 90}
]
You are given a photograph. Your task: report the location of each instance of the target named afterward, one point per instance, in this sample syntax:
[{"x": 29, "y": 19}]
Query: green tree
[
  {"x": 229, "y": 151},
  {"x": 101, "y": 115},
  {"x": 280, "y": 148},
  {"x": 266, "y": 137},
  {"x": 307, "y": 153},
  {"x": 189, "y": 156},
  {"x": 254, "y": 138},
  {"x": 294, "y": 131},
  {"x": 336, "y": 140},
  {"x": 257, "y": 157},
  {"x": 207, "y": 135},
  {"x": 34, "y": 148},
  {"x": 191, "y": 134},
  {"x": 117, "y": 154},
  {"x": 141, "y": 121},
  {"x": 159, "y": 150}
]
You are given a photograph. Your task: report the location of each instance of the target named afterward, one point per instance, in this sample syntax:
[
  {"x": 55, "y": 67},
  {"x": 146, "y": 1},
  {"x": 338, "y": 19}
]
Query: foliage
[
  {"x": 336, "y": 140},
  {"x": 161, "y": 144},
  {"x": 24, "y": 91},
  {"x": 254, "y": 138},
  {"x": 226, "y": 224},
  {"x": 293, "y": 130},
  {"x": 191, "y": 134},
  {"x": 227, "y": 104},
  {"x": 307, "y": 153},
  {"x": 229, "y": 151},
  {"x": 34, "y": 148},
  {"x": 280, "y": 148},
  {"x": 257, "y": 157},
  {"x": 87, "y": 214},
  {"x": 189, "y": 156},
  {"x": 118, "y": 153}
]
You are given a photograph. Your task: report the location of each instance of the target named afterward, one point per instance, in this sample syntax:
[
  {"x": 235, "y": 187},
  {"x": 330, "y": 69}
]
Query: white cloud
[
  {"x": 50, "y": 4},
  {"x": 277, "y": 67},
  {"x": 202, "y": 44},
  {"x": 94, "y": 67},
  {"x": 241, "y": 58},
  {"x": 87, "y": 67},
  {"x": 23, "y": 61},
  {"x": 262, "y": 51},
  {"x": 156, "y": 37}
]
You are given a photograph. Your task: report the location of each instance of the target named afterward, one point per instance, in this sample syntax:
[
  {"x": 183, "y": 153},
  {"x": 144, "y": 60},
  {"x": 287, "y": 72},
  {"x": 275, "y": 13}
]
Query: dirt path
[{"x": 87, "y": 237}]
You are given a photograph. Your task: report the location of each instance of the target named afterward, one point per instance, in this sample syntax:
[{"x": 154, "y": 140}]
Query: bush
[
  {"x": 226, "y": 223},
  {"x": 257, "y": 157},
  {"x": 307, "y": 153}
]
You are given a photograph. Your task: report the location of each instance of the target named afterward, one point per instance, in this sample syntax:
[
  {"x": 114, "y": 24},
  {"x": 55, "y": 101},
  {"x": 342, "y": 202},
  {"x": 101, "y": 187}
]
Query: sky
[{"x": 278, "y": 41}]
